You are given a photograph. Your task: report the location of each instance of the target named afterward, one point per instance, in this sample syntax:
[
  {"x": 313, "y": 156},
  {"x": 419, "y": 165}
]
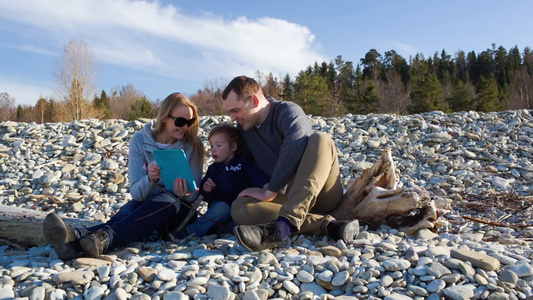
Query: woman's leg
[
  {"x": 145, "y": 219},
  {"x": 123, "y": 212}
]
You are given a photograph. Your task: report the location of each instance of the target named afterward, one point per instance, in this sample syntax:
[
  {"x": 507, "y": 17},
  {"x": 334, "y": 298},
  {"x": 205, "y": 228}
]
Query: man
[{"x": 304, "y": 169}]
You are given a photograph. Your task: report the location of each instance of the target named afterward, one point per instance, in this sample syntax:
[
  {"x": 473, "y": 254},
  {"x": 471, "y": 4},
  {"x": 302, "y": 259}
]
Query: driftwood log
[
  {"x": 373, "y": 198},
  {"x": 25, "y": 226}
]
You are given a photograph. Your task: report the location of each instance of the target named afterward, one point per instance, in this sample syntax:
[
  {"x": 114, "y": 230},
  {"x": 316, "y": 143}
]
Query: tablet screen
[{"x": 173, "y": 165}]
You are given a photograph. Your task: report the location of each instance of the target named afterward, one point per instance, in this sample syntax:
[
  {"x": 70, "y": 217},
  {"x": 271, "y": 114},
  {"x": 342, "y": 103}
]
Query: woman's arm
[
  {"x": 140, "y": 185},
  {"x": 197, "y": 165}
]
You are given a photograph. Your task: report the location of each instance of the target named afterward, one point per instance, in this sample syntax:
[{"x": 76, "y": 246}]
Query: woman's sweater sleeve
[
  {"x": 197, "y": 165},
  {"x": 140, "y": 185}
]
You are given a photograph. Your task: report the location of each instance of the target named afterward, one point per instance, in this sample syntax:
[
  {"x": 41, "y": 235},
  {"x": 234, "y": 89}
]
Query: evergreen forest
[{"x": 491, "y": 80}]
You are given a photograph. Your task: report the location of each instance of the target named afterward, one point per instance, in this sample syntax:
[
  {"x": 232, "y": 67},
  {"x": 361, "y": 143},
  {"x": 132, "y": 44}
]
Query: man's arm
[{"x": 295, "y": 129}]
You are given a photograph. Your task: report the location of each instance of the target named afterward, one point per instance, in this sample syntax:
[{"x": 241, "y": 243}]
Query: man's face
[{"x": 240, "y": 110}]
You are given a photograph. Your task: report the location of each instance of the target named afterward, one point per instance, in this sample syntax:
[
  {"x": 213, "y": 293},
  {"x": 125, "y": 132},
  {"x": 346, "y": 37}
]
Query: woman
[{"x": 176, "y": 127}]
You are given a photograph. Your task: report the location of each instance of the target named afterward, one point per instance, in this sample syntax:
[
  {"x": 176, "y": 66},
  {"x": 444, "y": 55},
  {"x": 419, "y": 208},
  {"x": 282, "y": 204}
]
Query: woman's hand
[
  {"x": 154, "y": 173},
  {"x": 209, "y": 185},
  {"x": 258, "y": 194},
  {"x": 181, "y": 189}
]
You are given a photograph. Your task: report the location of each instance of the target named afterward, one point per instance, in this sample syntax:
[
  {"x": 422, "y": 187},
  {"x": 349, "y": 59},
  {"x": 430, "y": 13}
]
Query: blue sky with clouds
[{"x": 165, "y": 46}]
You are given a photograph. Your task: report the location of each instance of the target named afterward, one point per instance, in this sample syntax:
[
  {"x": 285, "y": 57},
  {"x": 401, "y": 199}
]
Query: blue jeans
[
  {"x": 136, "y": 220},
  {"x": 218, "y": 211}
]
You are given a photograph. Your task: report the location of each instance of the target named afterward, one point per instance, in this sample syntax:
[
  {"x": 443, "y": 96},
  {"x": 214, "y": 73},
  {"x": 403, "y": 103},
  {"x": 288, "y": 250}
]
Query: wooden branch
[
  {"x": 497, "y": 224},
  {"x": 373, "y": 198},
  {"x": 25, "y": 226}
]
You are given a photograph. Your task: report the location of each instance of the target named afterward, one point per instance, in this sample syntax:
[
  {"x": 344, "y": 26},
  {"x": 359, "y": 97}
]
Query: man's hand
[
  {"x": 209, "y": 185},
  {"x": 154, "y": 173},
  {"x": 259, "y": 194}
]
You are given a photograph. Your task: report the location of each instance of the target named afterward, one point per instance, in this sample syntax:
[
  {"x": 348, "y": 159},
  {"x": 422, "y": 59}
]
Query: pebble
[
  {"x": 521, "y": 269},
  {"x": 452, "y": 156},
  {"x": 478, "y": 259}
]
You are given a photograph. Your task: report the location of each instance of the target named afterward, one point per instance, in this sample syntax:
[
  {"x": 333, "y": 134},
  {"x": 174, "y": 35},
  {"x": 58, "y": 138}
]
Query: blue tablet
[{"x": 173, "y": 164}]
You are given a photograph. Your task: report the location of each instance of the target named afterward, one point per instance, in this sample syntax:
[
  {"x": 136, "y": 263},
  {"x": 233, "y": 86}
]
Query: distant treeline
[{"x": 492, "y": 80}]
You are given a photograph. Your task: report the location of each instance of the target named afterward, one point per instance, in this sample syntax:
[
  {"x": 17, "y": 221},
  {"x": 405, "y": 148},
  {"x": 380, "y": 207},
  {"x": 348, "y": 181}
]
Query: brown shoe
[
  {"x": 95, "y": 243},
  {"x": 259, "y": 237},
  {"x": 61, "y": 236}
]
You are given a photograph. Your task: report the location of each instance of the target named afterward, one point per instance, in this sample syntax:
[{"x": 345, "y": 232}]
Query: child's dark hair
[{"x": 231, "y": 132}]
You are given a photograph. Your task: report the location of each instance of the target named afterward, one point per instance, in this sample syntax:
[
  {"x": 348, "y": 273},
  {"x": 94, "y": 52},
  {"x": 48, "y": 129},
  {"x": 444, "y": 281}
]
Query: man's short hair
[
  {"x": 242, "y": 86},
  {"x": 229, "y": 131}
]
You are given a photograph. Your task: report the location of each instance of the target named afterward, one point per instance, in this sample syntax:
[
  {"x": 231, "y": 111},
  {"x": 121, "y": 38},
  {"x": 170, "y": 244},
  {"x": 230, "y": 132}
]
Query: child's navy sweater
[{"x": 231, "y": 179}]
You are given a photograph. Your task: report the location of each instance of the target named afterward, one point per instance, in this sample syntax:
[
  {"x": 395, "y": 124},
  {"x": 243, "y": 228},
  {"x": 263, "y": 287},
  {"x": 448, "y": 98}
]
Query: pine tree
[
  {"x": 488, "y": 95},
  {"x": 102, "y": 103},
  {"x": 365, "y": 100},
  {"x": 287, "y": 88},
  {"x": 461, "y": 98},
  {"x": 426, "y": 94},
  {"x": 311, "y": 93},
  {"x": 20, "y": 113},
  {"x": 142, "y": 108},
  {"x": 371, "y": 64}
]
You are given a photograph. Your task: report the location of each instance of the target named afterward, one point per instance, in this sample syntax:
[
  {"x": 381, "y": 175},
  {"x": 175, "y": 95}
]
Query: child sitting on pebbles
[{"x": 225, "y": 179}]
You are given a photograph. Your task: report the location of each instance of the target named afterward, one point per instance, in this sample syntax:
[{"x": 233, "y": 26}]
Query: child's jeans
[{"x": 219, "y": 211}]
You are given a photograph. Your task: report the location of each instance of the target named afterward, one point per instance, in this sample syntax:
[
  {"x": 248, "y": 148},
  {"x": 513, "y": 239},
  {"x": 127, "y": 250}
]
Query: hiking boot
[
  {"x": 180, "y": 235},
  {"x": 343, "y": 230},
  {"x": 61, "y": 236},
  {"x": 95, "y": 243},
  {"x": 259, "y": 237}
]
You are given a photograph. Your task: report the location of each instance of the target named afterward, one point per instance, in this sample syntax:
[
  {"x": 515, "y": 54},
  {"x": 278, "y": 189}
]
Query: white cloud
[
  {"x": 34, "y": 49},
  {"x": 25, "y": 93},
  {"x": 404, "y": 50},
  {"x": 160, "y": 39}
]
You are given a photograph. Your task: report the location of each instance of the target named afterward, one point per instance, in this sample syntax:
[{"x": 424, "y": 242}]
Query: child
[{"x": 224, "y": 180}]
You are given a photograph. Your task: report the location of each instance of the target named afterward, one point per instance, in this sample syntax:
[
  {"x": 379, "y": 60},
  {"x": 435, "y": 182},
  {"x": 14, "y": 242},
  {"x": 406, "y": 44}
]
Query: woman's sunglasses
[{"x": 180, "y": 122}]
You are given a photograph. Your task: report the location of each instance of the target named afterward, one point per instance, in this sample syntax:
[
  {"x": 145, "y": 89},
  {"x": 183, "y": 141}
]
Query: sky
[{"x": 161, "y": 47}]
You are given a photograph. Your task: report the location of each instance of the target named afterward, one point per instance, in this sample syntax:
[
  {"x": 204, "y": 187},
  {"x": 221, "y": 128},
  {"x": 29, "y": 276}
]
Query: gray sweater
[
  {"x": 278, "y": 144},
  {"x": 142, "y": 144}
]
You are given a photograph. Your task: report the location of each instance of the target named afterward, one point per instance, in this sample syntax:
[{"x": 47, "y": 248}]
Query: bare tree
[
  {"x": 209, "y": 100},
  {"x": 75, "y": 76},
  {"x": 394, "y": 98},
  {"x": 7, "y": 107},
  {"x": 272, "y": 87},
  {"x": 41, "y": 112},
  {"x": 521, "y": 92},
  {"x": 122, "y": 99}
]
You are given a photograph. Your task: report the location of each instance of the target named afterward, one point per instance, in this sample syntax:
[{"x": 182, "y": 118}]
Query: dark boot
[
  {"x": 259, "y": 237},
  {"x": 343, "y": 230},
  {"x": 95, "y": 243},
  {"x": 179, "y": 235},
  {"x": 61, "y": 236}
]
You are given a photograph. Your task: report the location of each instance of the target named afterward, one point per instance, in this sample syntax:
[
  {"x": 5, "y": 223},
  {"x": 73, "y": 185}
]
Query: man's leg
[
  {"x": 317, "y": 188},
  {"x": 249, "y": 211},
  {"x": 317, "y": 221}
]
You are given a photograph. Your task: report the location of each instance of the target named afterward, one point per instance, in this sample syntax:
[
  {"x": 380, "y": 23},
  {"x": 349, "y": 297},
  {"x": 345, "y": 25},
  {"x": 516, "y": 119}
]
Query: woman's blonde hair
[{"x": 191, "y": 136}]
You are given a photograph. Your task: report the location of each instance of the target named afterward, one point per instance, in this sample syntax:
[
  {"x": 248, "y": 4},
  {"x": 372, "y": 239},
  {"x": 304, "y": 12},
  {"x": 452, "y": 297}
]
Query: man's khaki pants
[{"x": 315, "y": 190}]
